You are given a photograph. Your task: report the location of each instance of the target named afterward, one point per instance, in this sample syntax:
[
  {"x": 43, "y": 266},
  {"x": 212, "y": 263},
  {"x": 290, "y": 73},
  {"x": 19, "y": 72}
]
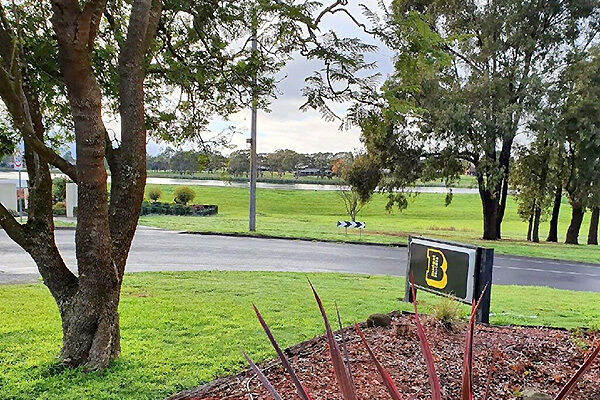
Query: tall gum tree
[
  {"x": 65, "y": 64},
  {"x": 580, "y": 125},
  {"x": 467, "y": 76}
]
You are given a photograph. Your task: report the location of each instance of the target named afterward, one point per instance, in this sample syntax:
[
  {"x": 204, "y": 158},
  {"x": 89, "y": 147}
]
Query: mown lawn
[
  {"x": 182, "y": 329},
  {"x": 313, "y": 214}
]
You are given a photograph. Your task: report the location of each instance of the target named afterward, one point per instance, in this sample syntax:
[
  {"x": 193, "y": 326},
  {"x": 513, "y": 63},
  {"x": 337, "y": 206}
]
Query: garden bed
[
  {"x": 196, "y": 210},
  {"x": 516, "y": 357}
]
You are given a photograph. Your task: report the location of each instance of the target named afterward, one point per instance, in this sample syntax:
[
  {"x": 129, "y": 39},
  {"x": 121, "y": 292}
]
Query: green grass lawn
[
  {"x": 182, "y": 329},
  {"x": 313, "y": 214}
]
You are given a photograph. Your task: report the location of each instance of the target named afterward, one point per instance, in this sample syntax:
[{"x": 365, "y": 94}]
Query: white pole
[{"x": 253, "y": 160}]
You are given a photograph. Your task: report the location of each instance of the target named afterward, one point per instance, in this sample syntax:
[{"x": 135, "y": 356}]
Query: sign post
[
  {"x": 454, "y": 270},
  {"x": 352, "y": 224},
  {"x": 18, "y": 166}
]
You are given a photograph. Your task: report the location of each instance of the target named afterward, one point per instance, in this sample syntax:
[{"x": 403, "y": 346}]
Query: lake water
[{"x": 14, "y": 176}]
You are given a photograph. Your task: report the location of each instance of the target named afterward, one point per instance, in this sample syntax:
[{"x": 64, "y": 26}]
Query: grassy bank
[
  {"x": 180, "y": 330},
  {"x": 313, "y": 214}
]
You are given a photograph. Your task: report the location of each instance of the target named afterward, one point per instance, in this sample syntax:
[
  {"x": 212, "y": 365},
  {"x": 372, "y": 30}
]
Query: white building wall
[
  {"x": 71, "y": 199},
  {"x": 8, "y": 195}
]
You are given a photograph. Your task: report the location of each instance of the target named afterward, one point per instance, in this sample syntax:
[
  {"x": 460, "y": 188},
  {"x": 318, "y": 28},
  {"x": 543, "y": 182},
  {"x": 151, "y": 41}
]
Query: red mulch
[{"x": 523, "y": 357}]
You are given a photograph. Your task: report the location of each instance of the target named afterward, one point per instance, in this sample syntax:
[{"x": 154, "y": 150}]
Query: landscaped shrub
[
  {"x": 178, "y": 209},
  {"x": 341, "y": 363},
  {"x": 184, "y": 194},
  {"x": 59, "y": 189},
  {"x": 154, "y": 194},
  {"x": 59, "y": 209}
]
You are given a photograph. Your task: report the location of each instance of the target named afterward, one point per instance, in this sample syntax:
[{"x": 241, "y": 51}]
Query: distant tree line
[{"x": 237, "y": 163}]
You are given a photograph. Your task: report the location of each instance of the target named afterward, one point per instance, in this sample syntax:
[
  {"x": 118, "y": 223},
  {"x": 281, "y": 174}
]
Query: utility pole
[{"x": 253, "y": 158}]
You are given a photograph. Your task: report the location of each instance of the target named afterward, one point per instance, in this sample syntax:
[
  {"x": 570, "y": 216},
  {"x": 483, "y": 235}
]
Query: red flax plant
[{"x": 343, "y": 372}]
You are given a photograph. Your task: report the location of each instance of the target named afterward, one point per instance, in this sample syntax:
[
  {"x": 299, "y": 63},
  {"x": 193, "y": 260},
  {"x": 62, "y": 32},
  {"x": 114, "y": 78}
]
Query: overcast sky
[{"x": 288, "y": 127}]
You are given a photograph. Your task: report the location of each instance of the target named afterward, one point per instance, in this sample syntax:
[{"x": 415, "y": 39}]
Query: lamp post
[{"x": 253, "y": 158}]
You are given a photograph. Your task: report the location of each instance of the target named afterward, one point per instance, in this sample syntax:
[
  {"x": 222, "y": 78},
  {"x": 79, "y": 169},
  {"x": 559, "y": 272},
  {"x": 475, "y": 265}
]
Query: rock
[
  {"x": 379, "y": 320},
  {"x": 532, "y": 394}
]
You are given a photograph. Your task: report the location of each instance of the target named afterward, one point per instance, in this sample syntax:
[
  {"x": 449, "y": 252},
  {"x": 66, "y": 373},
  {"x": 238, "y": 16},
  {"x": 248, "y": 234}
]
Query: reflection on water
[{"x": 261, "y": 185}]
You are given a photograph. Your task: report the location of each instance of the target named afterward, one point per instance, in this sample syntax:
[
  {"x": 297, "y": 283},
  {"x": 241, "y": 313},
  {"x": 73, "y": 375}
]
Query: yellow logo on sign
[{"x": 436, "y": 269}]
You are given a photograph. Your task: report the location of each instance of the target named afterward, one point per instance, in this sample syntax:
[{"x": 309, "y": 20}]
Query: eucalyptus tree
[
  {"x": 536, "y": 174},
  {"x": 79, "y": 70},
  {"x": 580, "y": 125},
  {"x": 467, "y": 76}
]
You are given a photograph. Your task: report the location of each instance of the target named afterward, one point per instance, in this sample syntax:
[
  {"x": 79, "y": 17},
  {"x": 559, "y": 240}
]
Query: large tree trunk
[
  {"x": 490, "y": 215},
  {"x": 575, "y": 225},
  {"x": 502, "y": 206},
  {"x": 91, "y": 333},
  {"x": 103, "y": 239},
  {"x": 88, "y": 304},
  {"x": 502, "y": 189},
  {"x": 593, "y": 232},
  {"x": 553, "y": 233}
]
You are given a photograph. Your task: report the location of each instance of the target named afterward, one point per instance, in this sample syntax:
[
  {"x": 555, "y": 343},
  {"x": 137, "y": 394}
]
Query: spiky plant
[{"x": 343, "y": 373}]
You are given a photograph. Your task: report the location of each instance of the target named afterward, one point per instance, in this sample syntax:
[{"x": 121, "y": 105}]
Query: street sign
[
  {"x": 450, "y": 269},
  {"x": 17, "y": 159},
  {"x": 351, "y": 224}
]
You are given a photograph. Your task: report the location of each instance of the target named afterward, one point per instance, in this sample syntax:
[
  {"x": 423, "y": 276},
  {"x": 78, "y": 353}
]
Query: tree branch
[
  {"x": 11, "y": 91},
  {"x": 50, "y": 156},
  {"x": 89, "y": 22},
  {"x": 12, "y": 227}
]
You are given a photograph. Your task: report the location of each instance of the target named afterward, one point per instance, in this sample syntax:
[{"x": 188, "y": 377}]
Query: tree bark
[
  {"x": 575, "y": 225},
  {"x": 593, "y": 232},
  {"x": 529, "y": 228},
  {"x": 502, "y": 190},
  {"x": 502, "y": 205},
  {"x": 490, "y": 215},
  {"x": 88, "y": 305},
  {"x": 536, "y": 225},
  {"x": 553, "y": 233}
]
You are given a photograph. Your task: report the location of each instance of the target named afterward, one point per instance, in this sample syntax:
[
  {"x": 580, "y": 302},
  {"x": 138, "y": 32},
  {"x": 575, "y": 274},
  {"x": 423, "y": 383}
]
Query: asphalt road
[{"x": 159, "y": 250}]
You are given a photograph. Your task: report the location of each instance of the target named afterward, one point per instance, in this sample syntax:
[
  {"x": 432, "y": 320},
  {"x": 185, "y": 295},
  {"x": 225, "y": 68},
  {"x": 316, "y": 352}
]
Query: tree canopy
[
  {"x": 468, "y": 74},
  {"x": 108, "y": 74}
]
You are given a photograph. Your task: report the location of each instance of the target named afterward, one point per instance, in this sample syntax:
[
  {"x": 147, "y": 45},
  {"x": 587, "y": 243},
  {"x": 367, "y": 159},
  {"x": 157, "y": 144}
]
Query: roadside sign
[
  {"x": 450, "y": 269},
  {"x": 18, "y": 159},
  {"x": 351, "y": 224}
]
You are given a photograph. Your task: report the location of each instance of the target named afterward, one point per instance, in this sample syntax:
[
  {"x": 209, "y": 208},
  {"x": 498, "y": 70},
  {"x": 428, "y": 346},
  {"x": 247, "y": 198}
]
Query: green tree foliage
[
  {"x": 154, "y": 193},
  {"x": 536, "y": 173},
  {"x": 281, "y": 161},
  {"x": 239, "y": 162},
  {"x": 467, "y": 75},
  {"x": 7, "y": 140},
  {"x": 188, "y": 161},
  {"x": 360, "y": 179},
  {"x": 59, "y": 189},
  {"x": 580, "y": 124},
  {"x": 184, "y": 194},
  {"x": 162, "y": 68}
]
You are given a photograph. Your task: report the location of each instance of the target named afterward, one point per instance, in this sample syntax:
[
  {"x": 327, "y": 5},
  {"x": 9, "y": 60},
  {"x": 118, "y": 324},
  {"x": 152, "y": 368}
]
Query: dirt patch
[{"x": 517, "y": 358}]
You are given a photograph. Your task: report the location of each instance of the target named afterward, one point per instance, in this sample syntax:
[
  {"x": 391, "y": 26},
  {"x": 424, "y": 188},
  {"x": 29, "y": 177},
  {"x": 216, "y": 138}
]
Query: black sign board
[{"x": 451, "y": 269}]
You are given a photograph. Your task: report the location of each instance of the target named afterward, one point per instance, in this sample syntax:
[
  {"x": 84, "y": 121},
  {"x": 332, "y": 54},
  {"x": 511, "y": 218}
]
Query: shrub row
[{"x": 198, "y": 210}]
